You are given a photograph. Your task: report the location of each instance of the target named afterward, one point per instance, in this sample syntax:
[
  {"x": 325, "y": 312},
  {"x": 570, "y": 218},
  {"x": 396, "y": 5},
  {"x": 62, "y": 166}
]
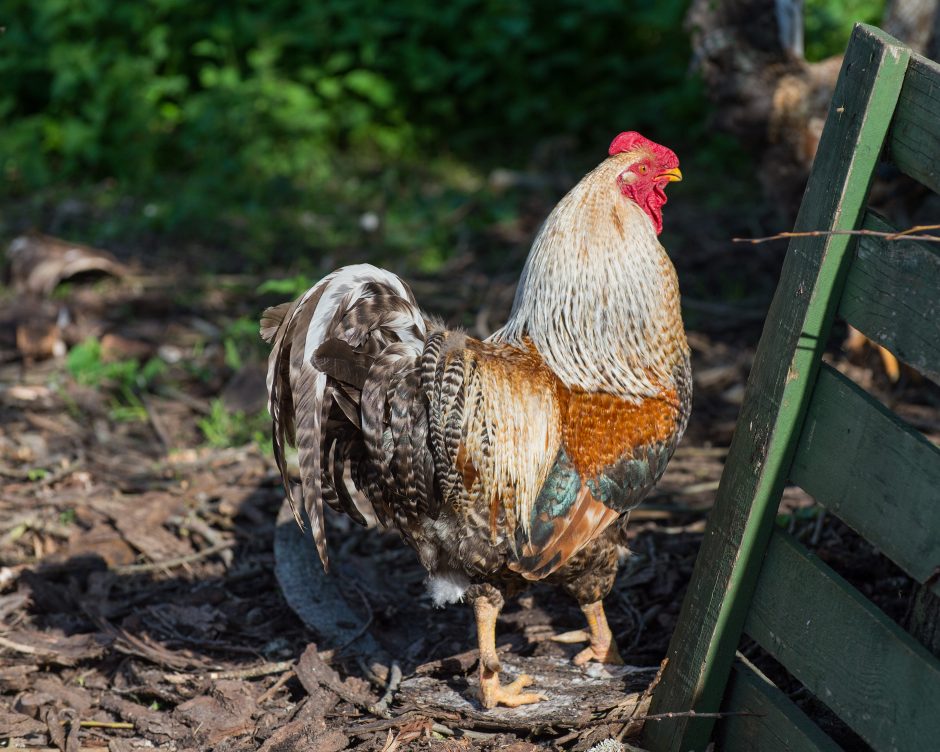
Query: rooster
[{"x": 512, "y": 459}]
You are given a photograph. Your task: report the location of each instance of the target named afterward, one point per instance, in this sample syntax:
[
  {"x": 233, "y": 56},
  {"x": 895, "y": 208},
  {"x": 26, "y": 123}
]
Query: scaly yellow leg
[
  {"x": 602, "y": 647},
  {"x": 491, "y": 692}
]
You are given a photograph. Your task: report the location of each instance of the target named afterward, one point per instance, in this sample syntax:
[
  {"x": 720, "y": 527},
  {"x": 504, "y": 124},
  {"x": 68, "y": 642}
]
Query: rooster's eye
[{"x": 642, "y": 169}]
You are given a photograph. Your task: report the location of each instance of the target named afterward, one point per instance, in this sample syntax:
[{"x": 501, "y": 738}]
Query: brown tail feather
[
  {"x": 339, "y": 361},
  {"x": 271, "y": 320},
  {"x": 337, "y": 354}
]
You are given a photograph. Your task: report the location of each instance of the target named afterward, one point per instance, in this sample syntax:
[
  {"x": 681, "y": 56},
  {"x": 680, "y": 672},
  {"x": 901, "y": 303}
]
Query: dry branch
[
  {"x": 912, "y": 233},
  {"x": 273, "y": 689},
  {"x": 265, "y": 669},
  {"x": 179, "y": 561},
  {"x": 105, "y": 724}
]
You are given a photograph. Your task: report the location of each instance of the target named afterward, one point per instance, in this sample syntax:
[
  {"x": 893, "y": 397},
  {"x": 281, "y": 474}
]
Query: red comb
[
  {"x": 626, "y": 141},
  {"x": 629, "y": 140}
]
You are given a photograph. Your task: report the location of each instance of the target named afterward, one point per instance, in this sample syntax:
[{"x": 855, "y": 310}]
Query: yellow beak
[{"x": 673, "y": 175}]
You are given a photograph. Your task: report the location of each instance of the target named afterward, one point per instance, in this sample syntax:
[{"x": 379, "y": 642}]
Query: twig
[
  {"x": 265, "y": 669},
  {"x": 131, "y": 644},
  {"x": 394, "y": 679},
  {"x": 664, "y": 716},
  {"x": 272, "y": 690},
  {"x": 193, "y": 403},
  {"x": 179, "y": 561},
  {"x": 644, "y": 697},
  {"x": 157, "y": 424},
  {"x": 693, "y": 714},
  {"x": 375, "y": 672},
  {"x": 695, "y": 488},
  {"x": 105, "y": 724},
  {"x": 63, "y": 472},
  {"x": 197, "y": 525},
  {"x": 19, "y": 647},
  {"x": 49, "y": 478},
  {"x": 19, "y": 526},
  {"x": 478, "y": 735},
  {"x": 911, "y": 233}
]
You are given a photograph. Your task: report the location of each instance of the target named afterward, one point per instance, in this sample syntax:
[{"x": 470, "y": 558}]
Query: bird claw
[
  {"x": 602, "y": 647},
  {"x": 576, "y": 635},
  {"x": 600, "y": 650},
  {"x": 492, "y": 693},
  {"x": 601, "y": 653}
]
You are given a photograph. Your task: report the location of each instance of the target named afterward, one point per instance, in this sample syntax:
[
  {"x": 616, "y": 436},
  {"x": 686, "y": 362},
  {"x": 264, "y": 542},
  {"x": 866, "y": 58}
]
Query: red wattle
[{"x": 650, "y": 198}]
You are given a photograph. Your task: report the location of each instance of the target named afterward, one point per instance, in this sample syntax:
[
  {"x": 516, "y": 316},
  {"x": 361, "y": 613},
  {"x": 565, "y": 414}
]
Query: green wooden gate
[{"x": 804, "y": 422}]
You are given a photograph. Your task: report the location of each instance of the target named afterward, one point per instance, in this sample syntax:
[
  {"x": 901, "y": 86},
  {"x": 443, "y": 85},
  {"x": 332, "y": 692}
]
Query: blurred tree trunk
[
  {"x": 750, "y": 56},
  {"x": 916, "y": 23}
]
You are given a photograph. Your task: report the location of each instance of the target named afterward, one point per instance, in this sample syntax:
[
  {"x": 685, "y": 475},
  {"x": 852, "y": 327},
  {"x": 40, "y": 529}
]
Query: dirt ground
[{"x": 139, "y": 601}]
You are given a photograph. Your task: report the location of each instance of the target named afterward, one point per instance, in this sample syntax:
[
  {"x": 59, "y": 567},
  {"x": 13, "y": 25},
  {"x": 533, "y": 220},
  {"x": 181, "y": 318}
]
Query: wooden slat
[
  {"x": 875, "y": 472},
  {"x": 870, "y": 672},
  {"x": 785, "y": 366},
  {"x": 773, "y": 721},
  {"x": 892, "y": 295},
  {"x": 914, "y": 140}
]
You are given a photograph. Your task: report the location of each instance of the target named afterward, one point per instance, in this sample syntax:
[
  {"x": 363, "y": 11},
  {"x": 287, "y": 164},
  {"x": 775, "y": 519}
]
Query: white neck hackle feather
[{"x": 600, "y": 304}]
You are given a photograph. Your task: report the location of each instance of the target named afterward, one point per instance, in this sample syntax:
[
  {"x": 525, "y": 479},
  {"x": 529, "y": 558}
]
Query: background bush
[{"x": 256, "y": 121}]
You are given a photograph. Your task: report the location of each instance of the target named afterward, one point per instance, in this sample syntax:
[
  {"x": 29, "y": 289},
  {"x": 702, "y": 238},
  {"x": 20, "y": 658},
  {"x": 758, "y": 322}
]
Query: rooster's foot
[
  {"x": 492, "y": 693},
  {"x": 601, "y": 653},
  {"x": 602, "y": 647},
  {"x": 487, "y": 602}
]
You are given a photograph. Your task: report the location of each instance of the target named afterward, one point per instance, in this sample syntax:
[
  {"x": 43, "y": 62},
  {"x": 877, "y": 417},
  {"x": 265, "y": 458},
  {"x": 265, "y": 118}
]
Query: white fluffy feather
[{"x": 447, "y": 587}]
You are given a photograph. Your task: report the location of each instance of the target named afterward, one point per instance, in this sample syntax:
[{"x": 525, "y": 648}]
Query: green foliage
[
  {"x": 231, "y": 428},
  {"x": 235, "y": 120},
  {"x": 122, "y": 90},
  {"x": 241, "y": 343},
  {"x": 88, "y": 367},
  {"x": 288, "y": 287},
  {"x": 126, "y": 378},
  {"x": 272, "y": 127},
  {"x": 828, "y": 24}
]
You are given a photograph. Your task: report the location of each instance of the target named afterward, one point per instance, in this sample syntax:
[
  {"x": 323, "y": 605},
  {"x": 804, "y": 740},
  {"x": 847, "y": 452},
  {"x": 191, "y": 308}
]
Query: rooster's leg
[
  {"x": 890, "y": 363},
  {"x": 855, "y": 342},
  {"x": 486, "y": 607},
  {"x": 602, "y": 647}
]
